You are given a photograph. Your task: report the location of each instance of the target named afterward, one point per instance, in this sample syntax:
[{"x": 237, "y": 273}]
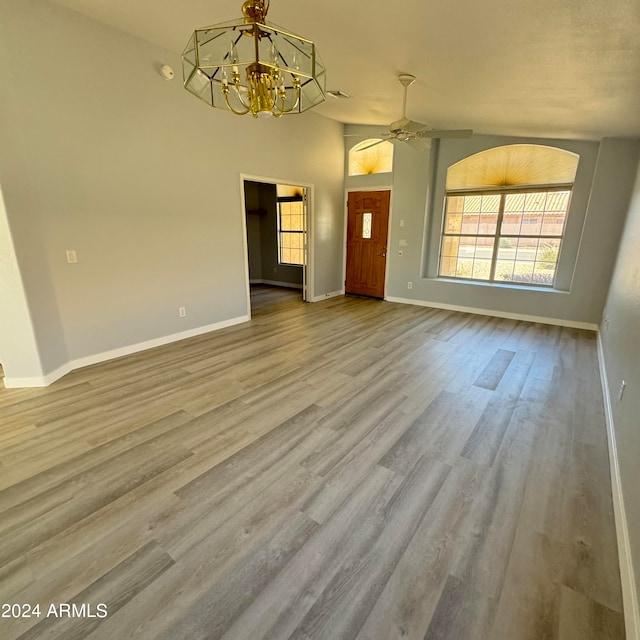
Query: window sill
[{"x": 511, "y": 286}]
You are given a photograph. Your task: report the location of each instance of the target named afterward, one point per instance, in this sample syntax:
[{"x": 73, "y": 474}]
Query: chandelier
[{"x": 249, "y": 66}]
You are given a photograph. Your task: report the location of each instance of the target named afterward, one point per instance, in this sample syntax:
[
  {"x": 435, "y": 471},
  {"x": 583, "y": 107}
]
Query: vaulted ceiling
[{"x": 558, "y": 68}]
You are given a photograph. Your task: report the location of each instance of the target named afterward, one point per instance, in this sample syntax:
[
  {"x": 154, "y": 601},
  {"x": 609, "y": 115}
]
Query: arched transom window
[
  {"x": 371, "y": 156},
  {"x": 505, "y": 214}
]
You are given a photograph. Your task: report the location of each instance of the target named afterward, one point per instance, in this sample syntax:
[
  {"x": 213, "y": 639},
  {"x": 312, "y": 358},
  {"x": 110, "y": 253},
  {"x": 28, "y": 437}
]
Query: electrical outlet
[
  {"x": 623, "y": 386},
  {"x": 72, "y": 256},
  {"x": 182, "y": 312},
  {"x": 409, "y": 285}
]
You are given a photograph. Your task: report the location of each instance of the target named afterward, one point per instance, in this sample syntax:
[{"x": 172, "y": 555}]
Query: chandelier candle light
[{"x": 249, "y": 66}]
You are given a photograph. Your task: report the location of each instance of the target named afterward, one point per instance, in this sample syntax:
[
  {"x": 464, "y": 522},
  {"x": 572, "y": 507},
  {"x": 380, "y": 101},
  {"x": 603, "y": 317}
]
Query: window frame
[
  {"x": 503, "y": 192},
  {"x": 279, "y": 201}
]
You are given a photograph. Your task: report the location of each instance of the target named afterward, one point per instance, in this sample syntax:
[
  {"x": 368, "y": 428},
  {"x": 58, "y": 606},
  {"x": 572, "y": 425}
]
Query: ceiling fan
[{"x": 415, "y": 134}]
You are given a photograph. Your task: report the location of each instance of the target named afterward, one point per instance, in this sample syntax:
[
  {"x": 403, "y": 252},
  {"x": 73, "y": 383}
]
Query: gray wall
[
  {"x": 254, "y": 240},
  {"x": 603, "y": 185},
  {"x": 620, "y": 334},
  {"x": 262, "y": 231},
  {"x": 20, "y": 349},
  {"x": 142, "y": 179}
]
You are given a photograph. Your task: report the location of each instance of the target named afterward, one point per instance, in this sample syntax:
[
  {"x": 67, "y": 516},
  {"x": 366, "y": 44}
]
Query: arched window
[
  {"x": 505, "y": 214},
  {"x": 371, "y": 156}
]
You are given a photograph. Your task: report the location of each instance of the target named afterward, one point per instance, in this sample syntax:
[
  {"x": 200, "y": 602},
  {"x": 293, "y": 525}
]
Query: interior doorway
[
  {"x": 277, "y": 224},
  {"x": 367, "y": 237}
]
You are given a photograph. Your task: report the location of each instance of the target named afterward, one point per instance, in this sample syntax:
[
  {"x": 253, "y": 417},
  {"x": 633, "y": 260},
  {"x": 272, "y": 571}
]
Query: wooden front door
[{"x": 367, "y": 229}]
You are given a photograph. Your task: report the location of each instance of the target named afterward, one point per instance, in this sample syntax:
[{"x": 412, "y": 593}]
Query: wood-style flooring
[{"x": 350, "y": 469}]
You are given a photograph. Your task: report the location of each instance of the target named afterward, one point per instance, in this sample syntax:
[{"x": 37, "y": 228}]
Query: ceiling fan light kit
[
  {"x": 415, "y": 134},
  {"x": 251, "y": 66}
]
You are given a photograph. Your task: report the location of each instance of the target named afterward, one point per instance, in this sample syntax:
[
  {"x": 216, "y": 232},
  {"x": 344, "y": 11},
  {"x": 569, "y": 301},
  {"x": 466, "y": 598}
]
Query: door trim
[
  {"x": 344, "y": 244},
  {"x": 308, "y": 269}
]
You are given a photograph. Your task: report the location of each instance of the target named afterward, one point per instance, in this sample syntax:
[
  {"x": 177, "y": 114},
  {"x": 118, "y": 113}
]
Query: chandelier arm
[
  {"x": 282, "y": 108},
  {"x": 297, "y": 101},
  {"x": 242, "y": 102},
  {"x": 238, "y": 113}
]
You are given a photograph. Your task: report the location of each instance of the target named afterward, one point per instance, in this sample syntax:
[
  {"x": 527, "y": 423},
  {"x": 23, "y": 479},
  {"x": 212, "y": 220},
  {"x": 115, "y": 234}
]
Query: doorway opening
[{"x": 277, "y": 224}]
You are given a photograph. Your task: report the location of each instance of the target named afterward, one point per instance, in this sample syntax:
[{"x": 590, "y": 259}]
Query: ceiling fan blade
[
  {"x": 414, "y": 127},
  {"x": 419, "y": 144},
  {"x": 373, "y": 144},
  {"x": 399, "y": 125},
  {"x": 445, "y": 133}
]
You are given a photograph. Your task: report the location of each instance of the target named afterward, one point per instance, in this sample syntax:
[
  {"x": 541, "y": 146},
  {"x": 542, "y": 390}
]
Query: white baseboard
[
  {"x": 277, "y": 283},
  {"x": 42, "y": 381},
  {"x": 498, "y": 314},
  {"x": 627, "y": 576},
  {"x": 79, "y": 363},
  {"x": 333, "y": 294}
]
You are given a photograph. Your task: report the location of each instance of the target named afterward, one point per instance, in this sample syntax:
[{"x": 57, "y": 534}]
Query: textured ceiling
[{"x": 558, "y": 68}]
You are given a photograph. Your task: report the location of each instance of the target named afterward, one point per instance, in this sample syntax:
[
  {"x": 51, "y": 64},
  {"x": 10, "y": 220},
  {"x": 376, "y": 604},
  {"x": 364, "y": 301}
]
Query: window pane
[
  {"x": 453, "y": 223},
  {"x": 448, "y": 266},
  {"x": 523, "y": 272},
  {"x": 531, "y": 224},
  {"x": 514, "y": 203},
  {"x": 504, "y": 270},
  {"x": 472, "y": 204},
  {"x": 480, "y": 214},
  {"x": 488, "y": 223},
  {"x": 511, "y": 224},
  {"x": 291, "y": 227},
  {"x": 291, "y": 249},
  {"x": 553, "y": 223},
  {"x": 464, "y": 268},
  {"x": 544, "y": 273},
  {"x": 507, "y": 248},
  {"x": 466, "y": 257},
  {"x": 534, "y": 202},
  {"x": 525, "y": 247},
  {"x": 455, "y": 204},
  {"x": 558, "y": 201},
  {"x": 450, "y": 246},
  {"x": 366, "y": 226},
  {"x": 285, "y": 222},
  {"x": 481, "y": 269},
  {"x": 490, "y": 203},
  {"x": 546, "y": 262},
  {"x": 470, "y": 223}
]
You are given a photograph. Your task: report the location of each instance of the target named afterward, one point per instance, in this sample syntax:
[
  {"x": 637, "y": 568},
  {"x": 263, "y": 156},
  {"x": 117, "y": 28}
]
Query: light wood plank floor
[{"x": 348, "y": 469}]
